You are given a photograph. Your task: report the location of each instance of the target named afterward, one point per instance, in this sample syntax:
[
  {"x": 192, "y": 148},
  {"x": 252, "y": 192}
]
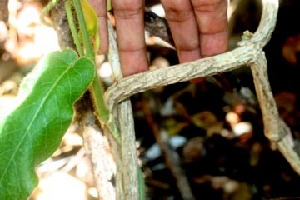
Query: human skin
[{"x": 199, "y": 29}]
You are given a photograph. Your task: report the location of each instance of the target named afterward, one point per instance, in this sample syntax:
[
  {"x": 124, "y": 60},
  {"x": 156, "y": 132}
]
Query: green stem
[
  {"x": 83, "y": 29},
  {"x": 47, "y": 9},
  {"x": 141, "y": 184},
  {"x": 96, "y": 89},
  {"x": 97, "y": 95},
  {"x": 73, "y": 28}
]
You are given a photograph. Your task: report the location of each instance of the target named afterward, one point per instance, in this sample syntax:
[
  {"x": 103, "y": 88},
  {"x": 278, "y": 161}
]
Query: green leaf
[{"x": 34, "y": 129}]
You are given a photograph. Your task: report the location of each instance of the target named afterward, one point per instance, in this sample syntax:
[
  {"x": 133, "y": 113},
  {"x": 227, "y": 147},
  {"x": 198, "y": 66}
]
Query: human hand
[{"x": 199, "y": 29}]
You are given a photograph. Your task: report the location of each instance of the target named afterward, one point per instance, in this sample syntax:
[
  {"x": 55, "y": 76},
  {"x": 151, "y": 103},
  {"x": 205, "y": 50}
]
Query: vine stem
[
  {"x": 83, "y": 29},
  {"x": 73, "y": 27},
  {"x": 96, "y": 86},
  {"x": 130, "y": 182}
]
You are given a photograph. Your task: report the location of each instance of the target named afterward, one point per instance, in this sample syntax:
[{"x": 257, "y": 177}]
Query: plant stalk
[{"x": 96, "y": 86}]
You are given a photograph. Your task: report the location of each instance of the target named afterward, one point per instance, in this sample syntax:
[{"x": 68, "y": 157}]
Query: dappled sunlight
[{"x": 29, "y": 38}]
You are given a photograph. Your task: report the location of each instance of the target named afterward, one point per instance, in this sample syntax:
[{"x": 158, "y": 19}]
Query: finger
[
  {"x": 183, "y": 25},
  {"x": 100, "y": 8},
  {"x": 130, "y": 35},
  {"x": 212, "y": 23}
]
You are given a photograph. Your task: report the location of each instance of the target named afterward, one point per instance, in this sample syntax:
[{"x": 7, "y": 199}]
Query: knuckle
[
  {"x": 127, "y": 4},
  {"x": 128, "y": 8},
  {"x": 209, "y": 5},
  {"x": 178, "y": 11},
  {"x": 182, "y": 16},
  {"x": 176, "y": 6},
  {"x": 126, "y": 14}
]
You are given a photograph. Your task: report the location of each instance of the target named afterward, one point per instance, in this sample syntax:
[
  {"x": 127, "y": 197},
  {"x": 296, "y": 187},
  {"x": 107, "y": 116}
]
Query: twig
[
  {"x": 276, "y": 129},
  {"x": 172, "y": 159}
]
